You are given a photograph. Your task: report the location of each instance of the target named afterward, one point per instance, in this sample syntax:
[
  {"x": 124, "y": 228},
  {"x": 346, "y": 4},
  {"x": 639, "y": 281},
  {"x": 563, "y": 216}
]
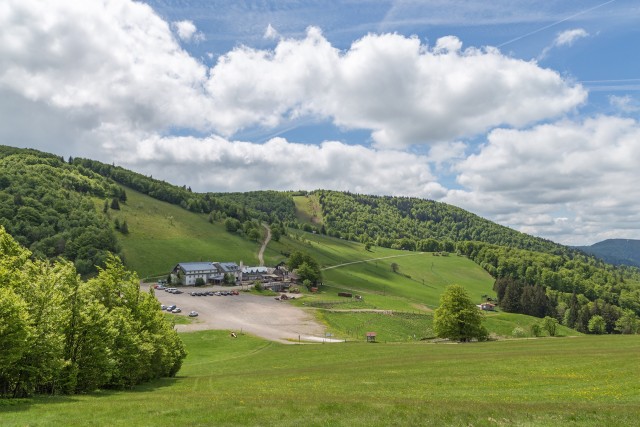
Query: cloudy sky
[{"x": 524, "y": 112}]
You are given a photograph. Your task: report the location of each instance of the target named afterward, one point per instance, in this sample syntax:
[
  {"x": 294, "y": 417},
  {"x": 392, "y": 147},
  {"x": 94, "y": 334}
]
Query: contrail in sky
[{"x": 555, "y": 23}]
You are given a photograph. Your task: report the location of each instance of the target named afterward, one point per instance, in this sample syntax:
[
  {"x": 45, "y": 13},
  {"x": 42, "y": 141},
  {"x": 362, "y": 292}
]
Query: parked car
[
  {"x": 160, "y": 288},
  {"x": 193, "y": 314},
  {"x": 177, "y": 291},
  {"x": 163, "y": 307},
  {"x": 218, "y": 293},
  {"x": 171, "y": 307},
  {"x": 210, "y": 293},
  {"x": 176, "y": 310},
  {"x": 235, "y": 293},
  {"x": 193, "y": 294}
]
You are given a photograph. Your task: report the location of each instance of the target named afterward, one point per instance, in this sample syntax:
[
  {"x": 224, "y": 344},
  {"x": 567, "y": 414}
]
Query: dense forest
[
  {"x": 47, "y": 206},
  {"x": 60, "y": 335},
  {"x": 573, "y": 288},
  {"x": 413, "y": 224}
]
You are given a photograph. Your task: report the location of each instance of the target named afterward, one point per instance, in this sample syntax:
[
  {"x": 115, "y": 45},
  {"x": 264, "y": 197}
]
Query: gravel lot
[{"x": 261, "y": 316}]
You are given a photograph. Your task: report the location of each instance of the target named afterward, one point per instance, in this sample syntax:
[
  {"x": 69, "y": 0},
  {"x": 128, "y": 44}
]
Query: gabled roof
[
  {"x": 254, "y": 270},
  {"x": 228, "y": 267},
  {"x": 196, "y": 266}
]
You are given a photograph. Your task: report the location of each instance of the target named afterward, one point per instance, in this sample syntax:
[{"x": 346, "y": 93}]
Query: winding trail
[
  {"x": 264, "y": 245},
  {"x": 368, "y": 260}
]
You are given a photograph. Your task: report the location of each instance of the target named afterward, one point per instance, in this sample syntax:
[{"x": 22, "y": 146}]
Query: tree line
[
  {"x": 266, "y": 206},
  {"x": 414, "y": 224},
  {"x": 61, "y": 335}
]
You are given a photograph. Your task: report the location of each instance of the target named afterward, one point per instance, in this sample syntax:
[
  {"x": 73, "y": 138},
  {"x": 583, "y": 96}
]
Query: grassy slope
[
  {"x": 584, "y": 381},
  {"x": 308, "y": 209},
  {"x": 162, "y": 235}
]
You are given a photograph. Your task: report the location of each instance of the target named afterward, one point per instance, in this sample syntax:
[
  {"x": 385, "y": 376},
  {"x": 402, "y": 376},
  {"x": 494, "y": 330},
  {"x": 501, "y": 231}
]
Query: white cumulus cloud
[
  {"x": 403, "y": 91},
  {"x": 187, "y": 31},
  {"x": 218, "y": 163},
  {"x": 584, "y": 171}
]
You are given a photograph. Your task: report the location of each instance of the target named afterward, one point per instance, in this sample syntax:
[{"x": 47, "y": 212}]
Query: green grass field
[{"x": 583, "y": 381}]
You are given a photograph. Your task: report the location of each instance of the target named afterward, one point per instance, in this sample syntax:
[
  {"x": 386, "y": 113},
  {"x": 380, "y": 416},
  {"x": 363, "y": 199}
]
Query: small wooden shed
[{"x": 371, "y": 337}]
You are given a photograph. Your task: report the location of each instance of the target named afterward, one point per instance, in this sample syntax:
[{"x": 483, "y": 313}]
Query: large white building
[{"x": 186, "y": 273}]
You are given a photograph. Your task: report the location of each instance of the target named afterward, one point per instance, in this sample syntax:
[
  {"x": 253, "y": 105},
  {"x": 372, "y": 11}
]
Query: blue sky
[{"x": 524, "y": 112}]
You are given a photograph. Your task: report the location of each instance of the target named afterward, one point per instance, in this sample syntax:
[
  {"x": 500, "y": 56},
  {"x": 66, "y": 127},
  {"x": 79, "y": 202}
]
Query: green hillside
[
  {"x": 161, "y": 235},
  {"x": 58, "y": 208}
]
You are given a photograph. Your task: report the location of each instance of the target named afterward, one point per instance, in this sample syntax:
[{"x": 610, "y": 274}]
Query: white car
[
  {"x": 193, "y": 314},
  {"x": 176, "y": 310}
]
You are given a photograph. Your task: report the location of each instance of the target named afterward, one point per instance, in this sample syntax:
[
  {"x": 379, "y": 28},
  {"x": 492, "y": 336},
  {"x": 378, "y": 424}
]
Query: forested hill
[
  {"x": 47, "y": 206},
  {"x": 616, "y": 251},
  {"x": 416, "y": 224}
]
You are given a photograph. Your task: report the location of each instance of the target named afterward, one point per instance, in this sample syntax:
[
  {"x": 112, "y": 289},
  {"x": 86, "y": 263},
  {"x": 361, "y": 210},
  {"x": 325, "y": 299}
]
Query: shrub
[{"x": 518, "y": 332}]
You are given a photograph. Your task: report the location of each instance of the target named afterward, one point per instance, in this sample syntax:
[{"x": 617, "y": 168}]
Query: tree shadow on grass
[{"x": 24, "y": 404}]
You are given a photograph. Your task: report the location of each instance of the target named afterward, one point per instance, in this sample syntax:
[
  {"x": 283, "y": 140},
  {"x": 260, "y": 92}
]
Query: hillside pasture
[
  {"x": 162, "y": 235},
  {"x": 583, "y": 381}
]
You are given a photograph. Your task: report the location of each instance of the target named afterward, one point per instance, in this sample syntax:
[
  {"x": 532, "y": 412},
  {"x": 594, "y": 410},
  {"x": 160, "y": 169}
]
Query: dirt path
[
  {"x": 371, "y": 259},
  {"x": 264, "y": 244}
]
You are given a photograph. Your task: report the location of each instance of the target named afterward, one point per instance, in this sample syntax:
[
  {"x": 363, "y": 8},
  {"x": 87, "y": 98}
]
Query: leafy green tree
[
  {"x": 535, "y": 329},
  {"x": 276, "y": 233},
  {"x": 627, "y": 323},
  {"x": 550, "y": 325},
  {"x": 307, "y": 272},
  {"x": 15, "y": 329},
  {"x": 597, "y": 325},
  {"x": 199, "y": 281},
  {"x": 457, "y": 318},
  {"x": 395, "y": 267}
]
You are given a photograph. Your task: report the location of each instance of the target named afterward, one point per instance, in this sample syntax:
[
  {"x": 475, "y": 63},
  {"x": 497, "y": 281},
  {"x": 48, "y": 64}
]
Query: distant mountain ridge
[{"x": 616, "y": 251}]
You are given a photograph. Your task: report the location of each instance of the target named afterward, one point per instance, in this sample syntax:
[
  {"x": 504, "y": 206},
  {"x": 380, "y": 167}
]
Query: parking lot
[{"x": 258, "y": 315}]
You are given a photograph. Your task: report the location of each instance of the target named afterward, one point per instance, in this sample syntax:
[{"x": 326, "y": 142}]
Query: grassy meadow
[
  {"x": 582, "y": 381},
  {"x": 162, "y": 235}
]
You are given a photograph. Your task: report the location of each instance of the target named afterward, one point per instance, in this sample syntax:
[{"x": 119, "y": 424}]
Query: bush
[
  {"x": 536, "y": 329},
  {"x": 199, "y": 281},
  {"x": 518, "y": 332}
]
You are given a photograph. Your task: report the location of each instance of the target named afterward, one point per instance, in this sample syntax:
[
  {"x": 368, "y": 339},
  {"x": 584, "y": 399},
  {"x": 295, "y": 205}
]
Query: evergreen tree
[{"x": 115, "y": 205}]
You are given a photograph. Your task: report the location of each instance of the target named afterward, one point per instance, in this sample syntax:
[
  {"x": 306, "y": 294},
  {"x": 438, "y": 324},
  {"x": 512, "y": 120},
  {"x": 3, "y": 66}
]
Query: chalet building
[
  {"x": 254, "y": 273},
  {"x": 186, "y": 273},
  {"x": 487, "y": 306}
]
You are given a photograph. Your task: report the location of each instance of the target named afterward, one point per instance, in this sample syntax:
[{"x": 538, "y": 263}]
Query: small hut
[{"x": 371, "y": 337}]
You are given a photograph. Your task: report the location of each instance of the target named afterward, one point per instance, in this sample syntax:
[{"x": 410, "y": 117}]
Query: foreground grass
[{"x": 246, "y": 381}]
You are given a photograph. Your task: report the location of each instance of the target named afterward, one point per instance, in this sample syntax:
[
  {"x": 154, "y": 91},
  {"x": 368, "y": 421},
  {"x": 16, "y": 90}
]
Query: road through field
[{"x": 370, "y": 259}]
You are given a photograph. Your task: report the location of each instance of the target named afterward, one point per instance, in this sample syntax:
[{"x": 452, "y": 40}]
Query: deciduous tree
[{"x": 457, "y": 318}]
